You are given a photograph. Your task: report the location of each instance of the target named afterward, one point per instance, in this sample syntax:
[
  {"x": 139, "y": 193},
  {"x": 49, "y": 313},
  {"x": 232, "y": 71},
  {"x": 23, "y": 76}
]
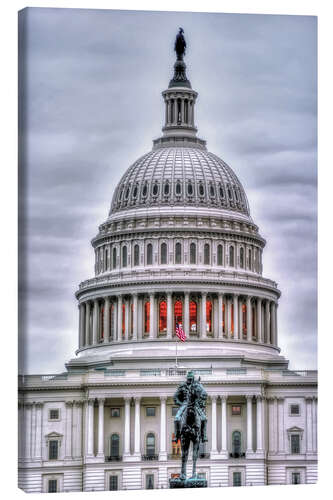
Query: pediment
[
  {"x": 53, "y": 435},
  {"x": 295, "y": 429}
]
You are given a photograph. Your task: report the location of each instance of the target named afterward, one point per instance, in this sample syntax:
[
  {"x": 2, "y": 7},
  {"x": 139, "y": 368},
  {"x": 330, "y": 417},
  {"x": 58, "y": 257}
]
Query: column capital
[
  {"x": 235, "y": 295},
  {"x": 91, "y": 401},
  {"x": 137, "y": 399},
  {"x": 78, "y": 404},
  {"x": 204, "y": 294},
  {"x": 224, "y": 397},
  {"x": 101, "y": 401},
  {"x": 39, "y": 404},
  {"x": 213, "y": 397},
  {"x": 163, "y": 398},
  {"x": 127, "y": 399},
  {"x": 249, "y": 397},
  {"x": 107, "y": 298},
  {"x": 69, "y": 404}
]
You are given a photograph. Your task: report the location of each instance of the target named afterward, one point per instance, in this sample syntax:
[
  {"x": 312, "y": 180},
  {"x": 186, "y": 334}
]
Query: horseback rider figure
[{"x": 182, "y": 398}]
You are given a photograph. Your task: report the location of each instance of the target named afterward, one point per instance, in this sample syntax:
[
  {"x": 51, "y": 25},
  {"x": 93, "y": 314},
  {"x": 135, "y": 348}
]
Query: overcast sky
[{"x": 93, "y": 105}]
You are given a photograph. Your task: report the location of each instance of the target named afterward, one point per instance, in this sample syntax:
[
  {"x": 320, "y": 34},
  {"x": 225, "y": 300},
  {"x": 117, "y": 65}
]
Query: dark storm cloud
[{"x": 94, "y": 80}]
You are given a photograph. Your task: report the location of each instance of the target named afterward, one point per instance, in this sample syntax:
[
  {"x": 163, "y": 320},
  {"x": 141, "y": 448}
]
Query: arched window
[
  {"x": 231, "y": 256},
  {"x": 212, "y": 191},
  {"x": 114, "y": 258},
  {"x": 155, "y": 189},
  {"x": 193, "y": 253},
  {"x": 166, "y": 188},
  {"x": 147, "y": 317},
  {"x": 135, "y": 192},
  {"x": 178, "y": 253},
  {"x": 114, "y": 445},
  {"x": 164, "y": 253},
  {"x": 193, "y": 316},
  {"x": 201, "y": 190},
  {"x": 149, "y": 254},
  {"x": 106, "y": 259},
  {"x": 178, "y": 313},
  {"x": 123, "y": 321},
  {"x": 250, "y": 260},
  {"x": 150, "y": 444},
  {"x": 207, "y": 254},
  {"x": 236, "y": 444},
  {"x": 101, "y": 322},
  {"x": 219, "y": 255},
  {"x": 145, "y": 190},
  {"x": 223, "y": 318},
  {"x": 241, "y": 257},
  {"x": 124, "y": 256},
  {"x": 163, "y": 316},
  {"x": 178, "y": 189},
  {"x": 136, "y": 255},
  {"x": 209, "y": 310},
  {"x": 190, "y": 189}
]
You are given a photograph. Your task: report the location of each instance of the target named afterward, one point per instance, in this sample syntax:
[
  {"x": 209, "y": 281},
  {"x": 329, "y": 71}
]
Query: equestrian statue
[{"x": 190, "y": 426}]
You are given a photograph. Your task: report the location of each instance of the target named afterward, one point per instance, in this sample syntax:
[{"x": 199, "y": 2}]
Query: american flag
[{"x": 180, "y": 332}]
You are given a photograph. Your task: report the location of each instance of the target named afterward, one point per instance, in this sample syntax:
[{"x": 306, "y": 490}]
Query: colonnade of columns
[
  {"x": 179, "y": 110},
  {"x": 221, "y": 449},
  {"x": 202, "y": 315}
]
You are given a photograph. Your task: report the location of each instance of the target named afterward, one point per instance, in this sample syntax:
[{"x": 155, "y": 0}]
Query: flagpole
[{"x": 176, "y": 347}]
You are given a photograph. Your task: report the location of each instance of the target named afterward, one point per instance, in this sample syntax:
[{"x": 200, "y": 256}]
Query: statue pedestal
[{"x": 187, "y": 483}]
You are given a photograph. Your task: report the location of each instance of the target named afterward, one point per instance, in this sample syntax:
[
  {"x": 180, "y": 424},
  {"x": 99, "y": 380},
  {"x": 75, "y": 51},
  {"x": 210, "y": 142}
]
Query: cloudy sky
[{"x": 92, "y": 105}]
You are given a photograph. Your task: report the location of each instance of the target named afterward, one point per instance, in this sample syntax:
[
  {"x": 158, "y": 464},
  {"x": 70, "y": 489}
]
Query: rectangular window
[
  {"x": 295, "y": 478},
  {"x": 237, "y": 479},
  {"x": 52, "y": 486},
  {"x": 54, "y": 414},
  {"x": 295, "y": 443},
  {"x": 150, "y": 411},
  {"x": 294, "y": 409},
  {"x": 236, "y": 410},
  {"x": 149, "y": 481},
  {"x": 115, "y": 412},
  {"x": 53, "y": 450},
  {"x": 113, "y": 486},
  {"x": 174, "y": 410}
]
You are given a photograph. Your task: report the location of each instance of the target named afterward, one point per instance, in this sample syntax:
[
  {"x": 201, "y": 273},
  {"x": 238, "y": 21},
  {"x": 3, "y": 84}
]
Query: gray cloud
[{"x": 93, "y": 105}]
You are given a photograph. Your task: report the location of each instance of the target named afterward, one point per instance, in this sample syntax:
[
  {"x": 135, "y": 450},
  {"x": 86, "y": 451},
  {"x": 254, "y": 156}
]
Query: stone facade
[{"x": 179, "y": 245}]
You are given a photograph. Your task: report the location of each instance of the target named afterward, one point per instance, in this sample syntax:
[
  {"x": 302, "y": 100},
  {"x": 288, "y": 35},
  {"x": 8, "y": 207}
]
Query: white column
[
  {"x": 77, "y": 448},
  {"x": 276, "y": 323},
  {"x": 152, "y": 315},
  {"x": 95, "y": 321},
  {"x": 220, "y": 315},
  {"x": 69, "y": 425},
  {"x": 100, "y": 449},
  {"x": 203, "y": 315},
  {"x": 248, "y": 319},
  {"x": 240, "y": 319},
  {"x": 81, "y": 325},
  {"x": 33, "y": 430},
  {"x": 276, "y": 425},
  {"x": 87, "y": 323},
  {"x": 259, "y": 329},
  {"x": 308, "y": 405},
  {"x": 224, "y": 451},
  {"x": 314, "y": 424},
  {"x": 267, "y": 329},
  {"x": 127, "y": 318},
  {"x": 236, "y": 331},
  {"x": 27, "y": 429},
  {"x": 187, "y": 314},
  {"x": 175, "y": 117},
  {"x": 39, "y": 426},
  {"x": 90, "y": 428},
  {"x": 229, "y": 332},
  {"x": 137, "y": 428},
  {"x": 182, "y": 111},
  {"x": 214, "y": 427},
  {"x": 135, "y": 316},
  {"x": 272, "y": 321},
  {"x": 127, "y": 427},
  {"x": 169, "y": 315},
  {"x": 106, "y": 326},
  {"x": 120, "y": 318},
  {"x": 163, "y": 451},
  {"x": 259, "y": 425},
  {"x": 280, "y": 403},
  {"x": 249, "y": 447}
]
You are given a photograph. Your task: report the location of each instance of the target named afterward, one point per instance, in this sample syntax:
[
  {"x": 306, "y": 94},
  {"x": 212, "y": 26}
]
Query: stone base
[{"x": 187, "y": 483}]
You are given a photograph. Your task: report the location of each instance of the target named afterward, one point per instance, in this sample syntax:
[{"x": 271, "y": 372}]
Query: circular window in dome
[
  {"x": 190, "y": 189},
  {"x": 178, "y": 189},
  {"x": 166, "y": 189},
  {"x": 144, "y": 190},
  {"x": 155, "y": 190},
  {"x": 201, "y": 190}
]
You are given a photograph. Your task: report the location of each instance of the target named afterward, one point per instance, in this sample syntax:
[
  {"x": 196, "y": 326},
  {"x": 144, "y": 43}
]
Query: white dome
[{"x": 183, "y": 176}]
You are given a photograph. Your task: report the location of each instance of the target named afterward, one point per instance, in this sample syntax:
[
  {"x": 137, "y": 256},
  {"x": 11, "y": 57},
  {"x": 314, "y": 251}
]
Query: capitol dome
[
  {"x": 178, "y": 249},
  {"x": 180, "y": 176}
]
